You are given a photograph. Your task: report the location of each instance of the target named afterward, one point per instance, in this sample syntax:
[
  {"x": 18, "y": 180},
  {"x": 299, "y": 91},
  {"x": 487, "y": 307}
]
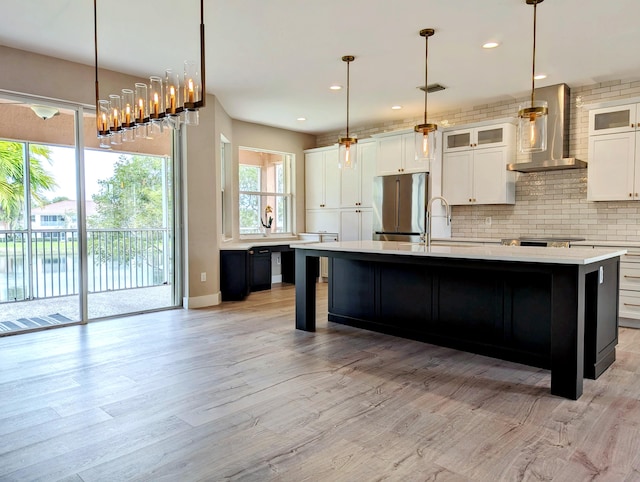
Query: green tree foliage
[
  {"x": 249, "y": 180},
  {"x": 132, "y": 197},
  {"x": 12, "y": 177}
]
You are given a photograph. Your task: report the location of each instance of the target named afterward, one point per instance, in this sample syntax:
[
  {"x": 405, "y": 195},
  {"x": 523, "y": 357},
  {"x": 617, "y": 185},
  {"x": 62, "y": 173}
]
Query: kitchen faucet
[{"x": 429, "y": 204}]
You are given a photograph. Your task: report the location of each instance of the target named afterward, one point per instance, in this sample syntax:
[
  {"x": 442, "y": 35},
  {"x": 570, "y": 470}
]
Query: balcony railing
[{"x": 45, "y": 263}]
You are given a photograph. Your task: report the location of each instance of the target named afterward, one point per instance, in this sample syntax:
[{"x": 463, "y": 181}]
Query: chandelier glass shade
[{"x": 147, "y": 109}]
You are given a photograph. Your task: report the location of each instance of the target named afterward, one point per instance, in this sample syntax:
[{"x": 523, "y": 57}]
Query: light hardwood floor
[{"x": 236, "y": 393}]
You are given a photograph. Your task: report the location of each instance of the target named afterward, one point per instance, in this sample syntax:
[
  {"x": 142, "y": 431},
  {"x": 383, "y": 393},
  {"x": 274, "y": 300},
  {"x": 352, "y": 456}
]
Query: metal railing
[{"x": 44, "y": 263}]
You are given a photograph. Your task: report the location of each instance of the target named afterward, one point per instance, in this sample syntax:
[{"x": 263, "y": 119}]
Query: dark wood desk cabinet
[{"x": 244, "y": 271}]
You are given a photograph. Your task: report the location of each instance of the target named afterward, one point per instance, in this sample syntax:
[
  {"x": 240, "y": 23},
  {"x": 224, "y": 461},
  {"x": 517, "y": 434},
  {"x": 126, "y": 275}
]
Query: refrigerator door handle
[{"x": 397, "y": 201}]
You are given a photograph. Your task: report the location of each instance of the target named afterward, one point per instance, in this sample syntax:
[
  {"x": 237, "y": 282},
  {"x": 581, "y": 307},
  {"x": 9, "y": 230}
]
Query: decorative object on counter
[
  {"x": 268, "y": 219},
  {"x": 532, "y": 124},
  {"x": 348, "y": 152},
  {"x": 143, "y": 113},
  {"x": 425, "y": 133}
]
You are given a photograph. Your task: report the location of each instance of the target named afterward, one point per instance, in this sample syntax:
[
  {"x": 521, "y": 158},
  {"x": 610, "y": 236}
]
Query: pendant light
[
  {"x": 425, "y": 134},
  {"x": 348, "y": 151},
  {"x": 532, "y": 122}
]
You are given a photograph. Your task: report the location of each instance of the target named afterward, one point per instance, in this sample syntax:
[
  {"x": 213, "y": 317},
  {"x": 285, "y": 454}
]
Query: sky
[{"x": 98, "y": 166}]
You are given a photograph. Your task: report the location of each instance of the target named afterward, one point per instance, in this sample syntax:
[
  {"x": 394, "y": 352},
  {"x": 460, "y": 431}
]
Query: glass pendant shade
[
  {"x": 156, "y": 98},
  {"x": 532, "y": 126},
  {"x": 425, "y": 142},
  {"x": 192, "y": 117},
  {"x": 102, "y": 119},
  {"x": 142, "y": 102},
  {"x": 347, "y": 152},
  {"x": 425, "y": 134},
  {"x": 192, "y": 85},
  {"x": 173, "y": 104},
  {"x": 128, "y": 106}
]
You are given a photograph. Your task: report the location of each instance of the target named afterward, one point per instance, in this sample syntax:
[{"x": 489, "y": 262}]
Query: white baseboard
[
  {"x": 276, "y": 278},
  {"x": 202, "y": 301}
]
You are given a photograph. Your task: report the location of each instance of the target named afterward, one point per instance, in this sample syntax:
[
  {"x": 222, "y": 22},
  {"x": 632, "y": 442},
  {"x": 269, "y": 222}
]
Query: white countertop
[
  {"x": 623, "y": 244},
  {"x": 579, "y": 256},
  {"x": 262, "y": 243}
]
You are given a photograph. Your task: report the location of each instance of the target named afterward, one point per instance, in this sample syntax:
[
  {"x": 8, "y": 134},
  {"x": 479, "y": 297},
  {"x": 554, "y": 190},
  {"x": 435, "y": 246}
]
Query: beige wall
[
  {"x": 258, "y": 136},
  {"x": 199, "y": 202},
  {"x": 547, "y": 203}
]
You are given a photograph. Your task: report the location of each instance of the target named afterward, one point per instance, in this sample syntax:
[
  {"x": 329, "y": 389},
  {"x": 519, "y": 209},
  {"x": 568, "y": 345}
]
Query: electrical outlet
[
  {"x": 203, "y": 276},
  {"x": 487, "y": 220},
  {"x": 278, "y": 261}
]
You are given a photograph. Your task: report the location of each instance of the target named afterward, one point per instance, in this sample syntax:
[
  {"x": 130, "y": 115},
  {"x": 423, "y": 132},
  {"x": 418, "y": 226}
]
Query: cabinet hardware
[
  {"x": 469, "y": 199},
  {"x": 262, "y": 251},
  {"x": 250, "y": 251},
  {"x": 632, "y": 304},
  {"x": 630, "y": 195},
  {"x": 632, "y": 277}
]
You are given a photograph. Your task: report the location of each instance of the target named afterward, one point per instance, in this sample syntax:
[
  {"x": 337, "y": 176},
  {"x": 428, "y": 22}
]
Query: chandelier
[{"x": 147, "y": 109}]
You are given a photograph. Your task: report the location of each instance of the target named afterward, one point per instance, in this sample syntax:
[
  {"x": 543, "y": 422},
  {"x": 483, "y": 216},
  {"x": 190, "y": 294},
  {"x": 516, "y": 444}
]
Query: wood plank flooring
[{"x": 236, "y": 393}]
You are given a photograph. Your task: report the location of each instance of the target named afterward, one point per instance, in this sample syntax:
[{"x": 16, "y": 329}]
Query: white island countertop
[{"x": 525, "y": 254}]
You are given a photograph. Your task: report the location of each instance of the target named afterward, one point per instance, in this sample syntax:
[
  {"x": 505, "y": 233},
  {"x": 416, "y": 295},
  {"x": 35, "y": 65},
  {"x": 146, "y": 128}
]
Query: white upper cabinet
[
  {"x": 478, "y": 137},
  {"x": 322, "y": 186},
  {"x": 474, "y": 165},
  {"x": 613, "y": 167},
  {"x": 612, "y": 120},
  {"x": 614, "y": 154},
  {"x": 356, "y": 185},
  {"x": 396, "y": 155}
]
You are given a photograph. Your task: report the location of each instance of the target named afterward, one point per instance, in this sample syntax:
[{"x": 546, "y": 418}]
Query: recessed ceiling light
[
  {"x": 490, "y": 45},
  {"x": 396, "y": 107},
  {"x": 301, "y": 119},
  {"x": 335, "y": 87},
  {"x": 540, "y": 76}
]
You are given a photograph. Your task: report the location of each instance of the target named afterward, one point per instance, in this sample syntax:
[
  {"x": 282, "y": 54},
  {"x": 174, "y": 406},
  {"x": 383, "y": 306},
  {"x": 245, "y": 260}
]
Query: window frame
[{"x": 287, "y": 195}]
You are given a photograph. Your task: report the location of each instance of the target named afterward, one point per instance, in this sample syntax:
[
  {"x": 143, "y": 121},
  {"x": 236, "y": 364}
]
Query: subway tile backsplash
[{"x": 551, "y": 203}]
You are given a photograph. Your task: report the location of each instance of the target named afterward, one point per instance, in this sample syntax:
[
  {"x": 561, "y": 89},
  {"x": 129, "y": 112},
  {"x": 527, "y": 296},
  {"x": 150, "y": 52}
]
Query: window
[
  {"x": 264, "y": 192},
  {"x": 49, "y": 220},
  {"x": 225, "y": 184}
]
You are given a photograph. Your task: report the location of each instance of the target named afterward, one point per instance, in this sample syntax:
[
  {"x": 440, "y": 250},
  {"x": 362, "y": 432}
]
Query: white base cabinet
[
  {"x": 629, "y": 300},
  {"x": 356, "y": 224}
]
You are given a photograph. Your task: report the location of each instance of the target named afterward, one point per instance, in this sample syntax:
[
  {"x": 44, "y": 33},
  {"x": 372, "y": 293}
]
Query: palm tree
[{"x": 12, "y": 168}]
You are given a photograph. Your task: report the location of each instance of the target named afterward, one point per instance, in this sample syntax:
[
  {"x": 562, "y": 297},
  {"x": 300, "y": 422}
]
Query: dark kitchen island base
[{"x": 561, "y": 317}]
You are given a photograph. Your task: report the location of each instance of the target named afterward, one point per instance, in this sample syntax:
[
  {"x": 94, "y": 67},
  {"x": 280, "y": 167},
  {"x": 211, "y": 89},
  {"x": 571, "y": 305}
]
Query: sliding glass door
[
  {"x": 85, "y": 232},
  {"x": 39, "y": 257},
  {"x": 130, "y": 220}
]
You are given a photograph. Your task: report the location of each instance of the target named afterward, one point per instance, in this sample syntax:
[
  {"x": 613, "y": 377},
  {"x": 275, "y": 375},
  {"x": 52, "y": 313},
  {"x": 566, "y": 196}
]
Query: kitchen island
[{"x": 547, "y": 307}]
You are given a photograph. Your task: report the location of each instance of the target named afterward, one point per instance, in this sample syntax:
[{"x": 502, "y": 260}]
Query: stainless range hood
[{"x": 557, "y": 154}]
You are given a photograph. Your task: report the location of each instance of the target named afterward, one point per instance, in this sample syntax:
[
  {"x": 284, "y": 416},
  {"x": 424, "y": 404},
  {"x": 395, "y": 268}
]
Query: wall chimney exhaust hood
[{"x": 557, "y": 154}]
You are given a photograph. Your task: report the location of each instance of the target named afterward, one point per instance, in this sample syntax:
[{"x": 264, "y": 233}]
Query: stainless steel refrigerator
[{"x": 400, "y": 207}]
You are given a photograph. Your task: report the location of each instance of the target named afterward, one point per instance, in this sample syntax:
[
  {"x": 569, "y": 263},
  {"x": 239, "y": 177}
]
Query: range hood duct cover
[{"x": 556, "y": 156}]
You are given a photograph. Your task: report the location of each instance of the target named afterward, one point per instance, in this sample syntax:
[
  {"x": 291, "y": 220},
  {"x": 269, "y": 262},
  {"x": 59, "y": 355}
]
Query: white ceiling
[{"x": 272, "y": 61}]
